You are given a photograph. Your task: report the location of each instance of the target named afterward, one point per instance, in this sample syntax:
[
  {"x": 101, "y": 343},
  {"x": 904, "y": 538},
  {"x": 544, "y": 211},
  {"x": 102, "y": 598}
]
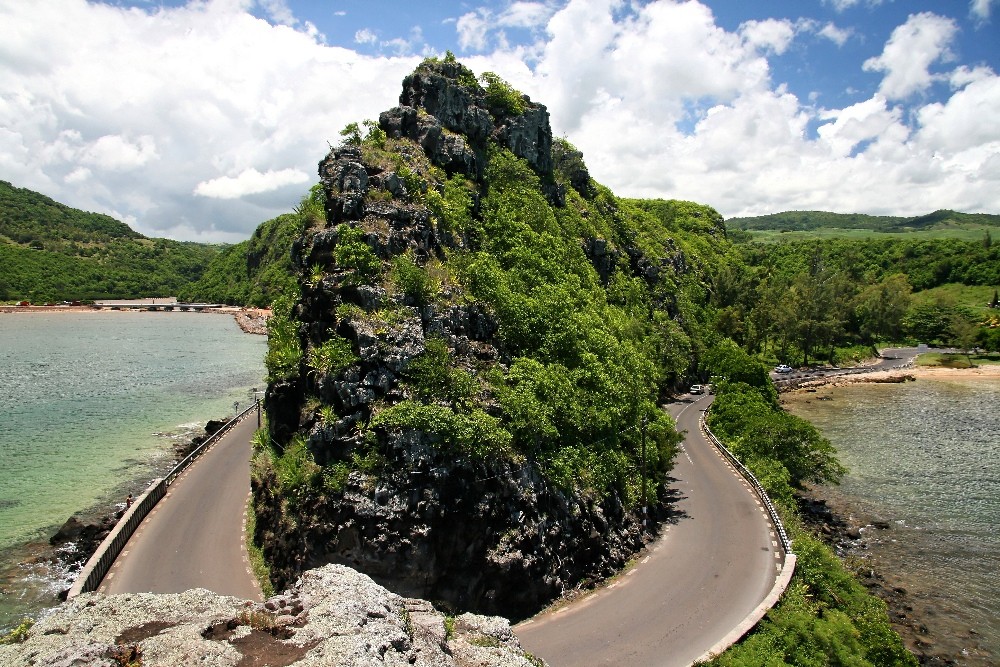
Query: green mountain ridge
[
  {"x": 52, "y": 252},
  {"x": 815, "y": 220}
]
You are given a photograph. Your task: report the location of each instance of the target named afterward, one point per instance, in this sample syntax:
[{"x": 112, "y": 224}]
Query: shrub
[
  {"x": 354, "y": 254},
  {"x": 332, "y": 356},
  {"x": 413, "y": 280},
  {"x": 284, "y": 350},
  {"x": 19, "y": 633},
  {"x": 501, "y": 97},
  {"x": 295, "y": 467}
]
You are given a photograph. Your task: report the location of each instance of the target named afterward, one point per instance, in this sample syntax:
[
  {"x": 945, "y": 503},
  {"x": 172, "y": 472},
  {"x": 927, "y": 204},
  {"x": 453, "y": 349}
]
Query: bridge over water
[{"x": 152, "y": 305}]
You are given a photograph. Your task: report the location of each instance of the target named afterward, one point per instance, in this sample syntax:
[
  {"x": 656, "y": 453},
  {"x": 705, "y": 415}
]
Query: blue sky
[{"x": 199, "y": 120}]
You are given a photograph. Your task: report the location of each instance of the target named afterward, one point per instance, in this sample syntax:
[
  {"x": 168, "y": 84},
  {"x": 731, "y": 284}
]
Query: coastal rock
[{"x": 331, "y": 616}]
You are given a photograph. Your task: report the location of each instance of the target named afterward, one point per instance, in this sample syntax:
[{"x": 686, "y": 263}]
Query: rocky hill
[
  {"x": 332, "y": 616},
  {"x": 462, "y": 397}
]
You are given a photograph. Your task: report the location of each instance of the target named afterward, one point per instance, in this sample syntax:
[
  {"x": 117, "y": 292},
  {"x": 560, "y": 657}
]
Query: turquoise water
[
  {"x": 91, "y": 406},
  {"x": 925, "y": 456}
]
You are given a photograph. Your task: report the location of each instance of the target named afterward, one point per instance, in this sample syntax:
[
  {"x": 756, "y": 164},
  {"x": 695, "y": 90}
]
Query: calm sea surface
[
  {"x": 925, "y": 456},
  {"x": 90, "y": 406}
]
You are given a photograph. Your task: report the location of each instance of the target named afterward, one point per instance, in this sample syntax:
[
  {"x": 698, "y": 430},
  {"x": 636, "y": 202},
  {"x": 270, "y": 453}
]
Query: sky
[{"x": 198, "y": 120}]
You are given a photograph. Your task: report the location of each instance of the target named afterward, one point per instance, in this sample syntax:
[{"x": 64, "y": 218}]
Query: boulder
[{"x": 331, "y": 616}]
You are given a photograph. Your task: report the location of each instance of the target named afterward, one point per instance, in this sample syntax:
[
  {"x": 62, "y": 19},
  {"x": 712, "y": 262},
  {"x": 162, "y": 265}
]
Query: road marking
[
  {"x": 646, "y": 559},
  {"x": 774, "y": 544}
]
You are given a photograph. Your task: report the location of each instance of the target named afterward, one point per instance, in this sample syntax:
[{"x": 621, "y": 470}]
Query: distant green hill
[
  {"x": 51, "y": 252},
  {"x": 943, "y": 223},
  {"x": 255, "y": 271}
]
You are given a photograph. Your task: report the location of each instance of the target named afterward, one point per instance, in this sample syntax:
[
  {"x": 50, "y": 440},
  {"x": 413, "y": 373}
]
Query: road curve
[
  {"x": 694, "y": 585},
  {"x": 194, "y": 537}
]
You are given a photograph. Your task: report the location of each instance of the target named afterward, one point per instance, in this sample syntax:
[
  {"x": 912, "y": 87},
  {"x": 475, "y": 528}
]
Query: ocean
[
  {"x": 924, "y": 457},
  {"x": 93, "y": 404}
]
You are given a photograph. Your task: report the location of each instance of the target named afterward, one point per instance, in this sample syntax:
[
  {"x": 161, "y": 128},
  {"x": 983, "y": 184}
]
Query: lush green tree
[{"x": 880, "y": 308}]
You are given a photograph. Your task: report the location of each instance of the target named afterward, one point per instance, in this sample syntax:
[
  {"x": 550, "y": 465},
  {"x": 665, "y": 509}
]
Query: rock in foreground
[{"x": 332, "y": 616}]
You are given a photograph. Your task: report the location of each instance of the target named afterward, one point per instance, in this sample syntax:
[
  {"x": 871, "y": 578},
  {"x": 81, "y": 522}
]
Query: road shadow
[{"x": 667, "y": 512}]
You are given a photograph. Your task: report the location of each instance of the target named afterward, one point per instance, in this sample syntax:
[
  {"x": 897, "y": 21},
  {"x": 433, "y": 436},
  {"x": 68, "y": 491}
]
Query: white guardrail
[
  {"x": 788, "y": 568},
  {"x": 100, "y": 562}
]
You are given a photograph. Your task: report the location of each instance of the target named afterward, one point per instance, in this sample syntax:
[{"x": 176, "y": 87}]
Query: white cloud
[
  {"x": 365, "y": 36},
  {"x": 980, "y": 9},
  {"x": 959, "y": 125},
  {"x": 100, "y": 102},
  {"x": 250, "y": 182},
  {"x": 769, "y": 35},
  {"x": 911, "y": 50},
  {"x": 859, "y": 122},
  {"x": 838, "y": 36},
  {"x": 472, "y": 28},
  {"x": 475, "y": 28},
  {"x": 114, "y": 152},
  {"x": 201, "y": 121},
  {"x": 278, "y": 11},
  {"x": 843, "y": 5}
]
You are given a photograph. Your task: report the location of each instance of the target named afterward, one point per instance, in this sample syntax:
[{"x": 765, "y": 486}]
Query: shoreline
[
  {"x": 250, "y": 320},
  {"x": 910, "y": 374},
  {"x": 58, "y": 556},
  {"x": 854, "y": 531}
]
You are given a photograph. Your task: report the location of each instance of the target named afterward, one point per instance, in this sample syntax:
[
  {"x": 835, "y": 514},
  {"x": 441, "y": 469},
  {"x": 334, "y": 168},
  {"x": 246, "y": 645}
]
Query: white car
[
  {"x": 697, "y": 389},
  {"x": 782, "y": 368}
]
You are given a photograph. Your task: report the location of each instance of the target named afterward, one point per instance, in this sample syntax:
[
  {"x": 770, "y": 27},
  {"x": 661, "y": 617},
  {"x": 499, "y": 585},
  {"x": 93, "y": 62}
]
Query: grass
[
  {"x": 258, "y": 565},
  {"x": 974, "y": 297},
  {"x": 956, "y": 360}
]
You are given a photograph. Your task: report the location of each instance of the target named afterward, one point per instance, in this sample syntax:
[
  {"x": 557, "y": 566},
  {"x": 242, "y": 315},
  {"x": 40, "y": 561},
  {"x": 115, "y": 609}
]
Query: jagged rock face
[
  {"x": 332, "y": 616},
  {"x": 457, "y": 124},
  {"x": 488, "y": 535},
  {"x": 492, "y": 537}
]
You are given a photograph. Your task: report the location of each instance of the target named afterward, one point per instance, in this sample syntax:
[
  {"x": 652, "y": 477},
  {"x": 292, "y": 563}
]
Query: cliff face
[
  {"x": 331, "y": 616},
  {"x": 407, "y": 469}
]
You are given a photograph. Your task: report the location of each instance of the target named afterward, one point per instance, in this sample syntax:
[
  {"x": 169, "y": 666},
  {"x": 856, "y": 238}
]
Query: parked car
[
  {"x": 782, "y": 368},
  {"x": 697, "y": 389}
]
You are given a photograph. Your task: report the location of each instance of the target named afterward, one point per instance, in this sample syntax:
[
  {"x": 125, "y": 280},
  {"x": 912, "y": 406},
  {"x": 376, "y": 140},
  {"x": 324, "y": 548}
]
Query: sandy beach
[{"x": 983, "y": 372}]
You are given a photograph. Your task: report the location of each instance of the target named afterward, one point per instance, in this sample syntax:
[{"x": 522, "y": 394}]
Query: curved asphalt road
[
  {"x": 693, "y": 586},
  {"x": 194, "y": 537},
  {"x": 891, "y": 358}
]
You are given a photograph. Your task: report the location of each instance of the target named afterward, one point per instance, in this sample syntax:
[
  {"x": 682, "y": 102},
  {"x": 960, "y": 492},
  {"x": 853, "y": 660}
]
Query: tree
[
  {"x": 963, "y": 334},
  {"x": 880, "y": 308}
]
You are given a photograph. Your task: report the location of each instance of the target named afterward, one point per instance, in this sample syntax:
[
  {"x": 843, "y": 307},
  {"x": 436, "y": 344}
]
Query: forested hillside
[
  {"x": 810, "y": 301},
  {"x": 816, "y": 220},
  {"x": 477, "y": 317},
  {"x": 256, "y": 271},
  {"x": 51, "y": 252}
]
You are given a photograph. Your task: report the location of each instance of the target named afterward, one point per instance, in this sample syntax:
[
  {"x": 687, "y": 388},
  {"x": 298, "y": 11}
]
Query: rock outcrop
[
  {"x": 491, "y": 534},
  {"x": 332, "y": 616}
]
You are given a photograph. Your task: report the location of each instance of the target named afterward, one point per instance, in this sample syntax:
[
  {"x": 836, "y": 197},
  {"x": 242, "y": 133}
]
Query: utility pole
[{"x": 645, "y": 421}]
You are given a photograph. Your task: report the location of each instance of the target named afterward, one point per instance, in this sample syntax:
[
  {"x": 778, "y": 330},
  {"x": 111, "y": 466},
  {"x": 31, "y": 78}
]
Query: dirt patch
[
  {"x": 141, "y": 632},
  {"x": 259, "y": 646}
]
